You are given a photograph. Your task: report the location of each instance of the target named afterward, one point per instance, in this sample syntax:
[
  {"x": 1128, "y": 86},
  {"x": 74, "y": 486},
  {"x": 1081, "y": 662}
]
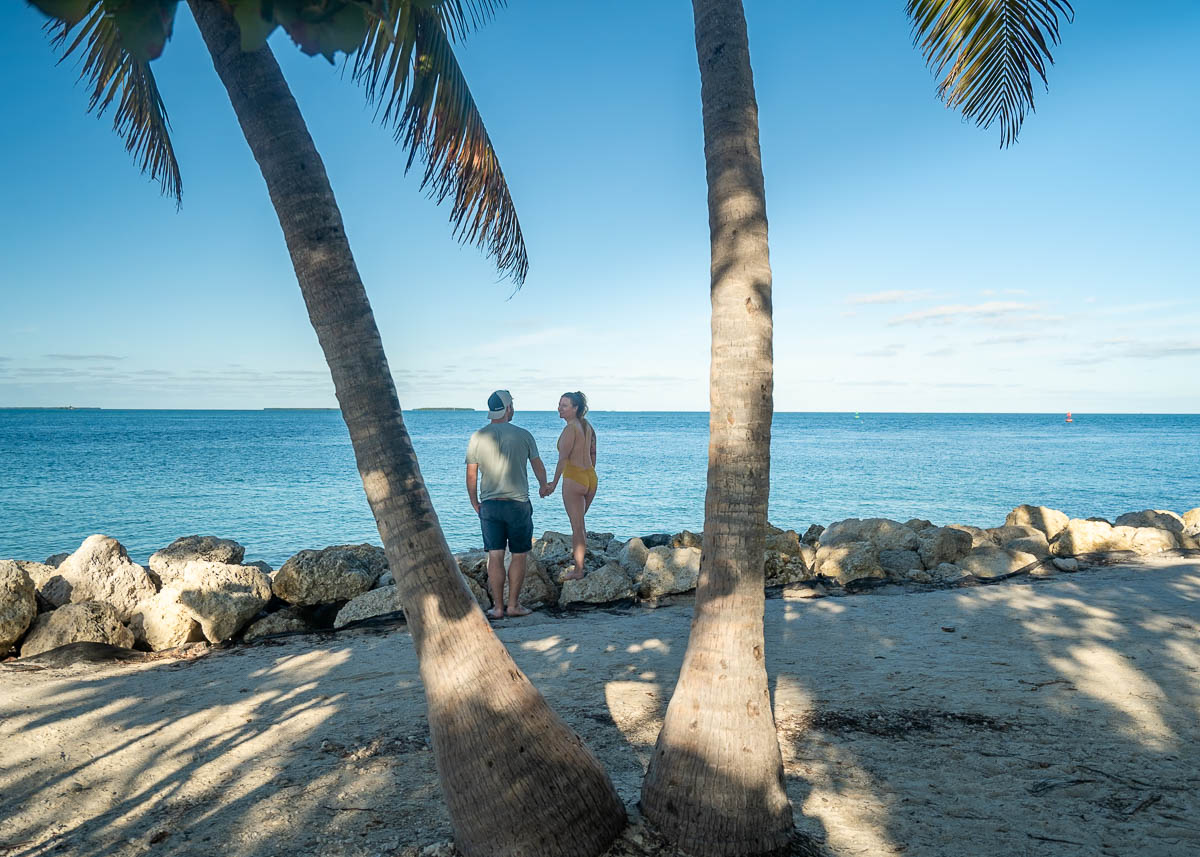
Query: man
[{"x": 499, "y": 490}]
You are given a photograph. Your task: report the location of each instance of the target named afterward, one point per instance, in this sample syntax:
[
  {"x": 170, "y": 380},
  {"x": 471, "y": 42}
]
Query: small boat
[
  {"x": 1069, "y": 419},
  {"x": 856, "y": 416}
]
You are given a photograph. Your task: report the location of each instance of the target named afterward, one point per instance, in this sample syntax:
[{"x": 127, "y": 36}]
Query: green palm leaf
[
  {"x": 984, "y": 50},
  {"x": 409, "y": 71},
  {"x": 116, "y": 75}
]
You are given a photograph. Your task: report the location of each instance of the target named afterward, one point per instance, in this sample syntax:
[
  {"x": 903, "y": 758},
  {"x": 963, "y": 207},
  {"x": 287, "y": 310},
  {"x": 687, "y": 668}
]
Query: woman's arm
[
  {"x": 565, "y": 442},
  {"x": 593, "y": 449}
]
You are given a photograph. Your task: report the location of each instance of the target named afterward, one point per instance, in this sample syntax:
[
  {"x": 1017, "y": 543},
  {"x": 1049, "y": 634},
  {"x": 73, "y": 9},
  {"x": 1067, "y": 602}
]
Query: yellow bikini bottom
[{"x": 585, "y": 476}]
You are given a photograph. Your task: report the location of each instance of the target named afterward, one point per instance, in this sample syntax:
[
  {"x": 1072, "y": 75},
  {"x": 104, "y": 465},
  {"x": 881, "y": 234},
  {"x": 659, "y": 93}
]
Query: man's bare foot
[
  {"x": 496, "y": 613},
  {"x": 518, "y": 611},
  {"x": 573, "y": 575}
]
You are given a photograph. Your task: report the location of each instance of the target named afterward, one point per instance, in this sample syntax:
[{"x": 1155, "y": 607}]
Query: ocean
[{"x": 282, "y": 481}]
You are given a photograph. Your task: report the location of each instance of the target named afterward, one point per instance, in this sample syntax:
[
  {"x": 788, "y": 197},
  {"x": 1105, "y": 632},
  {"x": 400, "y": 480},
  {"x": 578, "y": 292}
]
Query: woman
[{"x": 576, "y": 462}]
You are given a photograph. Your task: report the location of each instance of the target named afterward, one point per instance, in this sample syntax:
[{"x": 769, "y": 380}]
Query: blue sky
[{"x": 917, "y": 267}]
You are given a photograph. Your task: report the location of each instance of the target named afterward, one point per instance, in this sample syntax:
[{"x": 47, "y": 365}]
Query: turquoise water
[{"x": 281, "y": 481}]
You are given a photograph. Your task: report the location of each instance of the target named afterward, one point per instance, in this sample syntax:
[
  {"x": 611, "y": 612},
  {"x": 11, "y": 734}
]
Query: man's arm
[
  {"x": 539, "y": 470},
  {"x": 473, "y": 485}
]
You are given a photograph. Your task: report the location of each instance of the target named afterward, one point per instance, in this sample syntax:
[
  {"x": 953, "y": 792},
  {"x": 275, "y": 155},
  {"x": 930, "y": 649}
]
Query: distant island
[
  {"x": 52, "y": 408},
  {"x": 441, "y": 409}
]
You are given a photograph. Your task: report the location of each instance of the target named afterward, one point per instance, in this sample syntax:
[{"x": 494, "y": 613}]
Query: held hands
[{"x": 547, "y": 489}]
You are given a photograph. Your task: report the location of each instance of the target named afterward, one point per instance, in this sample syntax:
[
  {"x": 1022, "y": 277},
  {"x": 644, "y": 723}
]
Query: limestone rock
[
  {"x": 988, "y": 562},
  {"x": 1049, "y": 521},
  {"x": 327, "y": 576},
  {"x": 1191, "y": 522},
  {"x": 552, "y": 548},
  {"x": 79, "y": 622},
  {"x": 980, "y": 538},
  {"x": 598, "y": 542},
  {"x": 883, "y": 533},
  {"x": 633, "y": 556},
  {"x": 101, "y": 570},
  {"x": 377, "y": 602},
  {"x": 169, "y": 562},
  {"x": 50, "y": 588},
  {"x": 1063, "y": 563},
  {"x": 1150, "y": 540},
  {"x": 56, "y": 559},
  {"x": 385, "y": 579},
  {"x": 899, "y": 563},
  {"x": 657, "y": 540},
  {"x": 688, "y": 539},
  {"x": 917, "y": 525},
  {"x": 287, "y": 620},
  {"x": 813, "y": 534},
  {"x": 163, "y": 622},
  {"x": 613, "y": 550},
  {"x": 850, "y": 561},
  {"x": 222, "y": 598},
  {"x": 18, "y": 604},
  {"x": 945, "y": 572},
  {"x": 539, "y": 588},
  {"x": 1156, "y": 518},
  {"x": 943, "y": 544},
  {"x": 605, "y": 584},
  {"x": 787, "y": 559},
  {"x": 264, "y": 567},
  {"x": 1036, "y": 545},
  {"x": 668, "y": 571}
]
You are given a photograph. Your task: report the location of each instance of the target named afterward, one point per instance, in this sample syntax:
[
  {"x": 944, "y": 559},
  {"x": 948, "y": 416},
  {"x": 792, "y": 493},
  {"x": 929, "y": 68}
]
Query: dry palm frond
[
  {"x": 409, "y": 71},
  {"x": 140, "y": 117},
  {"x": 985, "y": 50}
]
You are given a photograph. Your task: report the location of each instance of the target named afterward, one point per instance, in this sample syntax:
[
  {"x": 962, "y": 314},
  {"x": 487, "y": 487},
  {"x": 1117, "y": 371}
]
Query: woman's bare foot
[
  {"x": 496, "y": 613},
  {"x": 577, "y": 574},
  {"x": 518, "y": 610}
]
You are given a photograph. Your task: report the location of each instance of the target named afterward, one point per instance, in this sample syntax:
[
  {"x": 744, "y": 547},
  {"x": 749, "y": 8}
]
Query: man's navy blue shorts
[{"x": 507, "y": 522}]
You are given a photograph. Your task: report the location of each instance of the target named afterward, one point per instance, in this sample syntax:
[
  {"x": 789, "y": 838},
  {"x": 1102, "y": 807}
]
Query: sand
[{"x": 1036, "y": 717}]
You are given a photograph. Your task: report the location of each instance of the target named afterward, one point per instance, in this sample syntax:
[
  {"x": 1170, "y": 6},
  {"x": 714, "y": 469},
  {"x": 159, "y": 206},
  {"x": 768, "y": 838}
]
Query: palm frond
[
  {"x": 984, "y": 51},
  {"x": 140, "y": 117},
  {"x": 409, "y": 71},
  {"x": 460, "y": 17}
]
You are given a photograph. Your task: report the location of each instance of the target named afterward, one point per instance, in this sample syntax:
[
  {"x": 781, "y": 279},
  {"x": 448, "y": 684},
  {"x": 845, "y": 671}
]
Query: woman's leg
[{"x": 574, "y": 500}]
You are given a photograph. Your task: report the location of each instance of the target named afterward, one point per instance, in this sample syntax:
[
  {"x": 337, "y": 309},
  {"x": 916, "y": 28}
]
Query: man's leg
[
  {"x": 496, "y": 582},
  {"x": 516, "y": 577}
]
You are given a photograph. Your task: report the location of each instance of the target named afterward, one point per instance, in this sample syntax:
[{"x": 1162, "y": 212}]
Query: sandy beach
[{"x": 1033, "y": 717}]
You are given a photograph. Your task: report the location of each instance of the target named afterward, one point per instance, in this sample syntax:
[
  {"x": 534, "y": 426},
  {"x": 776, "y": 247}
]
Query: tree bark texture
[
  {"x": 715, "y": 783},
  {"x": 516, "y": 779}
]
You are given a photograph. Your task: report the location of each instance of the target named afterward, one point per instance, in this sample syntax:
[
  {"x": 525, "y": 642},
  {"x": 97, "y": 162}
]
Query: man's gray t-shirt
[{"x": 501, "y": 450}]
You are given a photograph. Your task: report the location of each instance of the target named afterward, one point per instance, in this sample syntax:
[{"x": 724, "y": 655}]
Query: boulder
[
  {"x": 898, "y": 564},
  {"x": 943, "y": 545},
  {"x": 1049, "y": 521},
  {"x": 56, "y": 559},
  {"x": 222, "y": 598},
  {"x": 849, "y": 561},
  {"x": 980, "y": 538},
  {"x": 657, "y": 540},
  {"x": 613, "y": 550},
  {"x": 1065, "y": 563},
  {"x": 633, "y": 556},
  {"x": 377, "y": 602},
  {"x": 812, "y": 535},
  {"x": 1191, "y": 522},
  {"x": 79, "y": 622},
  {"x": 386, "y": 579},
  {"x": 163, "y": 622},
  {"x": 917, "y": 525},
  {"x": 1084, "y": 537},
  {"x": 1150, "y": 540},
  {"x": 688, "y": 539},
  {"x": 787, "y": 559},
  {"x": 883, "y": 533},
  {"x": 539, "y": 589},
  {"x": 1036, "y": 545},
  {"x": 287, "y": 620},
  {"x": 18, "y": 604},
  {"x": 943, "y": 573},
  {"x": 598, "y": 542},
  {"x": 1156, "y": 518},
  {"x": 50, "y": 588},
  {"x": 328, "y": 576},
  {"x": 101, "y": 570},
  {"x": 668, "y": 571},
  {"x": 552, "y": 549},
  {"x": 264, "y": 567},
  {"x": 605, "y": 584},
  {"x": 988, "y": 562},
  {"x": 169, "y": 562}
]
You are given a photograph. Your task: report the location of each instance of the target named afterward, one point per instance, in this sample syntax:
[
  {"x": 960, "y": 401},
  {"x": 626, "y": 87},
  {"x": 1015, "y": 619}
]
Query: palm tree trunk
[
  {"x": 517, "y": 780},
  {"x": 715, "y": 783}
]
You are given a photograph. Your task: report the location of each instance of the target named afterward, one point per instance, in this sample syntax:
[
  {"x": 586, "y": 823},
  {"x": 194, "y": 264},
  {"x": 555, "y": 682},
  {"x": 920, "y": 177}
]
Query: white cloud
[{"x": 950, "y": 312}]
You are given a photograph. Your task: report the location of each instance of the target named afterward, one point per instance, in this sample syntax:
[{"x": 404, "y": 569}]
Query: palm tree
[
  {"x": 715, "y": 783},
  {"x": 516, "y": 779}
]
